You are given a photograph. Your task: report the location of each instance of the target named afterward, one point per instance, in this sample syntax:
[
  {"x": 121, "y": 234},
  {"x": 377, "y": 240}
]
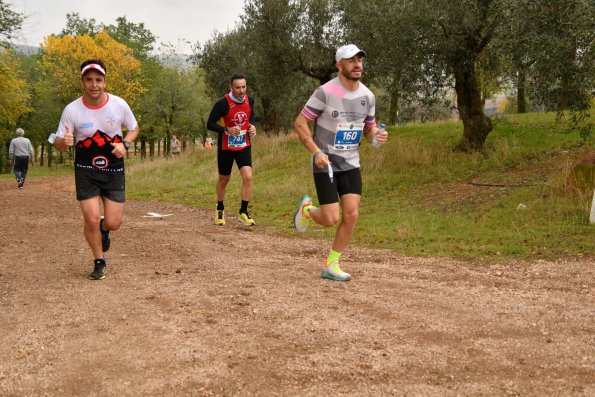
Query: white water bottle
[{"x": 375, "y": 140}]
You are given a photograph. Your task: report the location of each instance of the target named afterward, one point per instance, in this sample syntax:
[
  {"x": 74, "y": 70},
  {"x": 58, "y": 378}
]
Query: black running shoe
[
  {"x": 98, "y": 271},
  {"x": 21, "y": 183},
  {"x": 105, "y": 239}
]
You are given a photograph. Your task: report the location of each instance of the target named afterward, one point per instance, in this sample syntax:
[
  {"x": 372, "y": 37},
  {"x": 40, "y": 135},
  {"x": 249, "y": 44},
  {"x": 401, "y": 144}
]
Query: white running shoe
[
  {"x": 334, "y": 272},
  {"x": 300, "y": 219}
]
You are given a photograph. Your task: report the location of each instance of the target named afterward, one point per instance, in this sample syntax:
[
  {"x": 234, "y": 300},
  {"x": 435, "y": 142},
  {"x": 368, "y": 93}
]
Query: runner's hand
[
  {"x": 381, "y": 136},
  {"x": 321, "y": 160},
  {"x": 235, "y": 130},
  {"x": 252, "y": 130},
  {"x": 119, "y": 149},
  {"x": 68, "y": 137}
]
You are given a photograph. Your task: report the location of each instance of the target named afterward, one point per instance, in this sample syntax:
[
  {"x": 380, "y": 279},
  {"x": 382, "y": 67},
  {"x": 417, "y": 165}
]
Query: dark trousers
[{"x": 21, "y": 165}]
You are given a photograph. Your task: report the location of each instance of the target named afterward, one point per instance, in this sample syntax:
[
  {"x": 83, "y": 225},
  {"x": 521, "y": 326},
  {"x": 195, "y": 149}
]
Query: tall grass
[{"x": 416, "y": 197}]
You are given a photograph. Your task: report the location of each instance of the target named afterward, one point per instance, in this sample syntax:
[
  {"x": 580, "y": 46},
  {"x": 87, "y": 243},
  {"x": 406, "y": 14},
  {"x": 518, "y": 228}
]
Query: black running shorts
[
  {"x": 344, "y": 182},
  {"x": 91, "y": 184},
  {"x": 225, "y": 158}
]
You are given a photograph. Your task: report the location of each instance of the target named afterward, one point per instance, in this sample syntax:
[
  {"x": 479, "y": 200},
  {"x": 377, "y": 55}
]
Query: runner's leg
[
  {"x": 92, "y": 215},
  {"x": 327, "y": 215},
  {"x": 112, "y": 214},
  {"x": 350, "y": 212},
  {"x": 246, "y": 173},
  {"x": 221, "y": 186}
]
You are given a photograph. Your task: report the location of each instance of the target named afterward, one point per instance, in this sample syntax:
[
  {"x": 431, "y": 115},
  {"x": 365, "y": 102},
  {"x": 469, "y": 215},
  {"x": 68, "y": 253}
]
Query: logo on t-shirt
[
  {"x": 363, "y": 102},
  {"x": 100, "y": 162},
  {"x": 241, "y": 118},
  {"x": 335, "y": 114}
]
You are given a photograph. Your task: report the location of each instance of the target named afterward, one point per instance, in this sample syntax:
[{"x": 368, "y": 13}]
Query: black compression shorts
[
  {"x": 225, "y": 159},
  {"x": 344, "y": 182},
  {"x": 91, "y": 184}
]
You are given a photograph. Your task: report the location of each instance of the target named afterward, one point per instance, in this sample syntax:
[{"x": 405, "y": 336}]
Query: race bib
[
  {"x": 237, "y": 141},
  {"x": 348, "y": 136}
]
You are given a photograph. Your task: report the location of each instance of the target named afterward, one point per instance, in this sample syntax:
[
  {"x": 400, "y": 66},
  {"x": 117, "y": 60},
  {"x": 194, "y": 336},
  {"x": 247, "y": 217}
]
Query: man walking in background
[
  {"x": 176, "y": 146},
  {"x": 20, "y": 152},
  {"x": 232, "y": 117},
  {"x": 94, "y": 124},
  {"x": 343, "y": 110}
]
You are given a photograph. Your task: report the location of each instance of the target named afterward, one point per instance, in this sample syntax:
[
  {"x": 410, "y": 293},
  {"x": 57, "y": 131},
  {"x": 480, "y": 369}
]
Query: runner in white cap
[
  {"x": 343, "y": 111},
  {"x": 93, "y": 123}
]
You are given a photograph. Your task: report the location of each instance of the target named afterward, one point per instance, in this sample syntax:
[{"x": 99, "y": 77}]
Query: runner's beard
[{"x": 349, "y": 75}]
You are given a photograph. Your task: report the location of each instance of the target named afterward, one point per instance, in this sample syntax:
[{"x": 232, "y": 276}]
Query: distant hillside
[
  {"x": 175, "y": 60},
  {"x": 26, "y": 49}
]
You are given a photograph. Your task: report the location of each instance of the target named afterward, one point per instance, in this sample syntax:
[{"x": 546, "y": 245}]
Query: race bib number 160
[{"x": 348, "y": 136}]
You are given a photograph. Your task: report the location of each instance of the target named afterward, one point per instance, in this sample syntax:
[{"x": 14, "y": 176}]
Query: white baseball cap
[
  {"x": 93, "y": 66},
  {"x": 348, "y": 51}
]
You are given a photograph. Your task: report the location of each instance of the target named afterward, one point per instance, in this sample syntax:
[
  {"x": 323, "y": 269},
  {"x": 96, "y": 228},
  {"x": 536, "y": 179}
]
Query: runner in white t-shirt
[
  {"x": 93, "y": 123},
  {"x": 343, "y": 112}
]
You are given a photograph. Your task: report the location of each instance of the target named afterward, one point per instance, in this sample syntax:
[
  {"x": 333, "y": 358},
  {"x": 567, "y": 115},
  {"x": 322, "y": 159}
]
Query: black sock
[
  {"x": 100, "y": 261},
  {"x": 244, "y": 207},
  {"x": 220, "y": 206}
]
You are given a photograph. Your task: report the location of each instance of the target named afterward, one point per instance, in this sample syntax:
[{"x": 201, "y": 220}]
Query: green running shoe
[
  {"x": 334, "y": 272},
  {"x": 300, "y": 219}
]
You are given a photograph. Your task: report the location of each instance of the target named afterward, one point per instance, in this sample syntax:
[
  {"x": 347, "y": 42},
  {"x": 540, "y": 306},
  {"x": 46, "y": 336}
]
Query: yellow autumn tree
[
  {"x": 14, "y": 96},
  {"x": 62, "y": 57}
]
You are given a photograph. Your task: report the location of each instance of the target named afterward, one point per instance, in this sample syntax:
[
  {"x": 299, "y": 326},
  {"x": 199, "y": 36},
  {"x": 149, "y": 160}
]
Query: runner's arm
[
  {"x": 220, "y": 109},
  {"x": 132, "y": 134},
  {"x": 252, "y": 127},
  {"x": 300, "y": 126}
]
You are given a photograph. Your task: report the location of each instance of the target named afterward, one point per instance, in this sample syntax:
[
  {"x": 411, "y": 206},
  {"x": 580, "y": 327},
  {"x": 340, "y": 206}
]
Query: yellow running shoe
[
  {"x": 246, "y": 219},
  {"x": 219, "y": 217},
  {"x": 334, "y": 272}
]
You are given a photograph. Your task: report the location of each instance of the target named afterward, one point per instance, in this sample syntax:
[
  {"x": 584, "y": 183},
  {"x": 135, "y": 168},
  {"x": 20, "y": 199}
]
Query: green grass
[
  {"x": 416, "y": 198},
  {"x": 36, "y": 170}
]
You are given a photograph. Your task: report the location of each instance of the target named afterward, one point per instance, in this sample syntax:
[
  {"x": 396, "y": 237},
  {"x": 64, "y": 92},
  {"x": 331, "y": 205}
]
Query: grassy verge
[
  {"x": 416, "y": 197},
  {"x": 37, "y": 170}
]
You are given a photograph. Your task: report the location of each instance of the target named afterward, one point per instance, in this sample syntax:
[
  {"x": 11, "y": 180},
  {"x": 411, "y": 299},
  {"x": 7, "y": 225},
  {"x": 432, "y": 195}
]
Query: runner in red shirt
[{"x": 232, "y": 117}]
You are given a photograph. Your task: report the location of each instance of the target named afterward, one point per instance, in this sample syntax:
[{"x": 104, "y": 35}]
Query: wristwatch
[{"x": 126, "y": 144}]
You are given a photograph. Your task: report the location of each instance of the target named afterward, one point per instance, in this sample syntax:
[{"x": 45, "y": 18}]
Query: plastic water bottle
[
  {"x": 330, "y": 171},
  {"x": 375, "y": 140}
]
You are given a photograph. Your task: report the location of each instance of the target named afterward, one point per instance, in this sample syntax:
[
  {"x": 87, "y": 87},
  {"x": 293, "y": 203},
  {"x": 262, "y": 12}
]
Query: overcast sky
[{"x": 169, "y": 20}]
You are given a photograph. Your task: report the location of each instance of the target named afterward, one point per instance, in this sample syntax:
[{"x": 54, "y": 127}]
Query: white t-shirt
[{"x": 94, "y": 129}]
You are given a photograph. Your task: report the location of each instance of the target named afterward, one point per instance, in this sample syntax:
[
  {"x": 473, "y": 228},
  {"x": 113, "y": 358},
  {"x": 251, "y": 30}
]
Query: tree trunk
[
  {"x": 50, "y": 155},
  {"x": 143, "y": 148},
  {"x": 393, "y": 112},
  {"x": 476, "y": 125},
  {"x": 270, "y": 123},
  {"x": 520, "y": 93},
  {"x": 151, "y": 148},
  {"x": 566, "y": 93},
  {"x": 41, "y": 157}
]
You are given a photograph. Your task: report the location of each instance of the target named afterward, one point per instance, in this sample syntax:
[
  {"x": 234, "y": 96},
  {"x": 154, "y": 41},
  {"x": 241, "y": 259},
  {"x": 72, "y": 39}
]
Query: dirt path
[{"x": 189, "y": 308}]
